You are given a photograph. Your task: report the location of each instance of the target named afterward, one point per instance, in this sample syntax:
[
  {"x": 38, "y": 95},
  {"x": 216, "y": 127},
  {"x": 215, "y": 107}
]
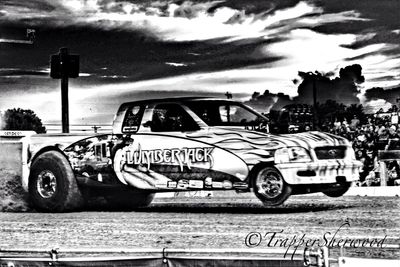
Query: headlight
[
  {"x": 351, "y": 154},
  {"x": 292, "y": 154}
]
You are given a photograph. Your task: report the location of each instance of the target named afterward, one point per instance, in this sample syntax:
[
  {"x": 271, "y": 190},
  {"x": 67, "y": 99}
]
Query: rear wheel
[
  {"x": 270, "y": 187},
  {"x": 337, "y": 191},
  {"x": 52, "y": 184}
]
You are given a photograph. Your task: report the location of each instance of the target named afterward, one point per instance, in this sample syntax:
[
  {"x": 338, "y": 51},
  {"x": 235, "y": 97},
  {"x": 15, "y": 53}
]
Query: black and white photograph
[{"x": 200, "y": 133}]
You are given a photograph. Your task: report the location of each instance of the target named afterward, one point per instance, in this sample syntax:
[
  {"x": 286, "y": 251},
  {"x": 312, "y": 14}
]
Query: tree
[
  {"x": 22, "y": 119},
  {"x": 355, "y": 110},
  {"x": 330, "y": 111}
]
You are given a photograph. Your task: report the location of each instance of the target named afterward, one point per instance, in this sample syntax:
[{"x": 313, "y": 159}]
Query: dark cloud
[
  {"x": 380, "y": 19},
  {"x": 379, "y": 37},
  {"x": 351, "y": 74},
  {"x": 262, "y": 102},
  {"x": 362, "y": 56},
  {"x": 132, "y": 56},
  {"x": 267, "y": 101},
  {"x": 342, "y": 89},
  {"x": 390, "y": 95},
  {"x": 256, "y": 6},
  {"x": 380, "y": 14},
  {"x": 29, "y": 6},
  {"x": 191, "y": 10}
]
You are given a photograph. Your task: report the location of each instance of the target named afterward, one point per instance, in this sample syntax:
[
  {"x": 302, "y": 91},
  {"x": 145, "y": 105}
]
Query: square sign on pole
[
  {"x": 71, "y": 66},
  {"x": 64, "y": 66}
]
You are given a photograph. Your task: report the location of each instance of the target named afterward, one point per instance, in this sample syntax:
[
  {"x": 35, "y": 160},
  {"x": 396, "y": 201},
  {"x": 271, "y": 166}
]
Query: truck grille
[{"x": 331, "y": 152}]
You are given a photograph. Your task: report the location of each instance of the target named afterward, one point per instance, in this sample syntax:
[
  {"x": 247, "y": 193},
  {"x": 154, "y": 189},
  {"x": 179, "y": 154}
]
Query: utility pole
[
  {"x": 314, "y": 78},
  {"x": 64, "y": 89},
  {"x": 315, "y": 121},
  {"x": 64, "y": 66}
]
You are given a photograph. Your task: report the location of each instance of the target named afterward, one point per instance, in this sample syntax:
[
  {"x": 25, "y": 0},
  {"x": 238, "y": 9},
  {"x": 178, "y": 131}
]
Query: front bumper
[{"x": 320, "y": 172}]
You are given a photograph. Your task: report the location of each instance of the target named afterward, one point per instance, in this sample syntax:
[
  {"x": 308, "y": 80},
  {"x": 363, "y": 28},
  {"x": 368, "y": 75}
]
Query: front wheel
[
  {"x": 270, "y": 187},
  {"x": 52, "y": 184},
  {"x": 337, "y": 191}
]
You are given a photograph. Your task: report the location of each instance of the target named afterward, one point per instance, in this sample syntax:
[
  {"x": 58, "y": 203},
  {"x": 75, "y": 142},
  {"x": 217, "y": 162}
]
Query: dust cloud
[{"x": 12, "y": 196}]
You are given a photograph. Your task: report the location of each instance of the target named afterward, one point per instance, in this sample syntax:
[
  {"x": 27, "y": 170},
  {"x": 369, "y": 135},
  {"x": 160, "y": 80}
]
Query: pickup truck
[{"x": 183, "y": 144}]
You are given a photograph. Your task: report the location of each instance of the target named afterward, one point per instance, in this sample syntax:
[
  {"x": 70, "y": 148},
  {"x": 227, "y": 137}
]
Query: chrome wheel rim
[
  {"x": 269, "y": 183},
  {"x": 46, "y": 184}
]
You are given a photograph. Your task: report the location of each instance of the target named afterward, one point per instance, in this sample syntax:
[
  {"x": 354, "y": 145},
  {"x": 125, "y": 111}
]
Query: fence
[
  {"x": 313, "y": 257},
  {"x": 153, "y": 257}
]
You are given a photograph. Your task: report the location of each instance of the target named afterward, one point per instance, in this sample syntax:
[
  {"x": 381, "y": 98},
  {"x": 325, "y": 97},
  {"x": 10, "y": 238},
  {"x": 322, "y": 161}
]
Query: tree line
[{"x": 21, "y": 119}]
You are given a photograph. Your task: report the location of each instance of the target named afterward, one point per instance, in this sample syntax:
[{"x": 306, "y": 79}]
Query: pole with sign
[{"x": 64, "y": 66}]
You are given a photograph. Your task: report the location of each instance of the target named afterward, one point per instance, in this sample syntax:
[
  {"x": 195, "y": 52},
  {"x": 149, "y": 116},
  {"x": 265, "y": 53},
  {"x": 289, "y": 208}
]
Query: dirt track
[{"x": 218, "y": 222}]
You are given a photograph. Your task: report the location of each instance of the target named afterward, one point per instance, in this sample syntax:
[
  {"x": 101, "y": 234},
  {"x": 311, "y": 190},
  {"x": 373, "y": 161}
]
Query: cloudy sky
[{"x": 139, "y": 49}]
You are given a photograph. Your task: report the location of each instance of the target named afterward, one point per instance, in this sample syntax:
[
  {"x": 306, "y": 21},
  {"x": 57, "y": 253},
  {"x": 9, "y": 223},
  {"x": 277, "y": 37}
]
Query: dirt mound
[{"x": 12, "y": 195}]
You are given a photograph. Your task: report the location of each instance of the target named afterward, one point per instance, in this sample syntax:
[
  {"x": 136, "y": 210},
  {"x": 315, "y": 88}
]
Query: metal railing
[{"x": 309, "y": 256}]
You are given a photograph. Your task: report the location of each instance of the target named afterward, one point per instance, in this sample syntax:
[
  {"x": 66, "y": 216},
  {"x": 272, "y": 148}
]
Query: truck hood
[
  {"x": 254, "y": 146},
  {"x": 61, "y": 141}
]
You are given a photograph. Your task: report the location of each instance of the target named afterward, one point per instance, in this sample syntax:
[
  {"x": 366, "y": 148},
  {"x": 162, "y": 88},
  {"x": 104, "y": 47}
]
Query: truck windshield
[{"x": 224, "y": 113}]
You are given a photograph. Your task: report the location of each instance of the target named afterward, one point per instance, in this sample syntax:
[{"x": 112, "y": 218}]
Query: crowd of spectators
[{"x": 379, "y": 131}]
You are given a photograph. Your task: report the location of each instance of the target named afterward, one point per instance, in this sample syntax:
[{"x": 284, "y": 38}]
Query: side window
[
  {"x": 172, "y": 118},
  {"x": 132, "y": 120},
  {"x": 208, "y": 113},
  {"x": 97, "y": 151},
  {"x": 236, "y": 115}
]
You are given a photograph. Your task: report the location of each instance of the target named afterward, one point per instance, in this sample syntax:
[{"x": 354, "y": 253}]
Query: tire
[
  {"x": 337, "y": 191},
  {"x": 270, "y": 187},
  {"x": 52, "y": 184},
  {"x": 130, "y": 200}
]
